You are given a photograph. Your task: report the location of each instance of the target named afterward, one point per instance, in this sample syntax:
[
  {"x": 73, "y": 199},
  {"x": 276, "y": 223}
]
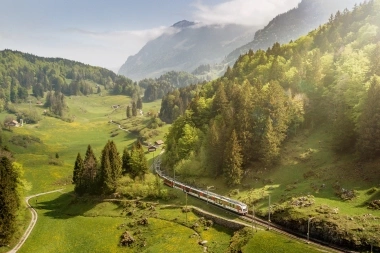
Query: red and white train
[{"x": 223, "y": 202}]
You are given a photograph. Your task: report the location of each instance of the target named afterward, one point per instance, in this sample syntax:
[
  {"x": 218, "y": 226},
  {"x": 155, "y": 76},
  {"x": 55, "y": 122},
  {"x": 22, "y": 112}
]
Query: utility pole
[
  {"x": 253, "y": 217},
  {"x": 186, "y": 206},
  {"x": 269, "y": 212},
  {"x": 308, "y": 228}
]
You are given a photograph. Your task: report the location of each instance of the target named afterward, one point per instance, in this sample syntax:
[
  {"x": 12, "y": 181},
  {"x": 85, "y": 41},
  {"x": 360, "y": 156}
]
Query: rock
[{"x": 203, "y": 242}]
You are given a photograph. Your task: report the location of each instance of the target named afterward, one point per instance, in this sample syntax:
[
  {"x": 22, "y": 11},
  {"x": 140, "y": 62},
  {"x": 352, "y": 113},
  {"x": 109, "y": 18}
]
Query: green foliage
[
  {"x": 233, "y": 161},
  {"x": 9, "y": 199},
  {"x": 110, "y": 168},
  {"x": 240, "y": 239},
  {"x": 24, "y": 140},
  {"x": 78, "y": 169},
  {"x": 137, "y": 162},
  {"x": 158, "y": 87},
  {"x": 268, "y": 96}
]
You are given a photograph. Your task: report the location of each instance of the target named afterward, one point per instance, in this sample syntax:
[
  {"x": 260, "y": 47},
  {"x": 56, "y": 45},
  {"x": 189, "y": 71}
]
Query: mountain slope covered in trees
[
  {"x": 328, "y": 79},
  {"x": 330, "y": 74},
  {"x": 308, "y": 15},
  {"x": 188, "y": 46}
]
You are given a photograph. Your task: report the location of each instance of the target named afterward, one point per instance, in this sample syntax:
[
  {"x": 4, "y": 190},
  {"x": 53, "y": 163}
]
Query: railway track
[
  {"x": 294, "y": 235},
  {"x": 326, "y": 247}
]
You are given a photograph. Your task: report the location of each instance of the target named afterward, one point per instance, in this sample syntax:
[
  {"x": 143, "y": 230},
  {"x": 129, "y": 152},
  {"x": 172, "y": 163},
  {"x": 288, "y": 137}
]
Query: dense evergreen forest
[
  {"x": 329, "y": 77},
  {"x": 158, "y": 87}
]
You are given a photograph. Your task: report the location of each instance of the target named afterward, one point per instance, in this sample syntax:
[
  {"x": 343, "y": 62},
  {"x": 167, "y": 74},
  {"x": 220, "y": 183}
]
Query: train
[{"x": 216, "y": 199}]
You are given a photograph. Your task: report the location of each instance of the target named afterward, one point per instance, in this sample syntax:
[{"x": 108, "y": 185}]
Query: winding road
[{"x": 32, "y": 222}]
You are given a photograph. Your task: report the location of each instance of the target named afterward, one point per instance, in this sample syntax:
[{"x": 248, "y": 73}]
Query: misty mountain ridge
[
  {"x": 191, "y": 45},
  {"x": 307, "y": 16}
]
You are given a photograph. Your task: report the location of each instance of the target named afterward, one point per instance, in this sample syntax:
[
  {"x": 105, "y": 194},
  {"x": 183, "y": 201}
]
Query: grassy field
[
  {"x": 270, "y": 242},
  {"x": 67, "y": 226}
]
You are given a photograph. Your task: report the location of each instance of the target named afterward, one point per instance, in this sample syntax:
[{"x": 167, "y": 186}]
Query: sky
[{"x": 105, "y": 32}]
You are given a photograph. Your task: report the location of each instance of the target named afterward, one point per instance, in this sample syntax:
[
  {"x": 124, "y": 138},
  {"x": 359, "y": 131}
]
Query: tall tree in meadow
[
  {"x": 138, "y": 162},
  {"x": 139, "y": 104},
  {"x": 126, "y": 158},
  {"x": 134, "y": 109},
  {"x": 90, "y": 171},
  {"x": 128, "y": 112},
  {"x": 78, "y": 170},
  {"x": 233, "y": 161},
  {"x": 110, "y": 168},
  {"x": 9, "y": 200}
]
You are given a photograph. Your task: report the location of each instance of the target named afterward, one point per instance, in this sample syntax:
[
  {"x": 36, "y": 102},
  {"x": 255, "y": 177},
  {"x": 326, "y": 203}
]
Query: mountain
[
  {"x": 256, "y": 122},
  {"x": 308, "y": 15},
  {"x": 185, "y": 48}
]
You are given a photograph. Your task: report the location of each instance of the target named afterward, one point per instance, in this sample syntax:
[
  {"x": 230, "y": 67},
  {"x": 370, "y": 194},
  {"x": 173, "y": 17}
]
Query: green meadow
[{"x": 65, "y": 225}]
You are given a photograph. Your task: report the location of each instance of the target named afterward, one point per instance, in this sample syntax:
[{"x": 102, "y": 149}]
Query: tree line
[
  {"x": 101, "y": 177},
  {"x": 158, "y": 87},
  {"x": 11, "y": 192},
  {"x": 330, "y": 76}
]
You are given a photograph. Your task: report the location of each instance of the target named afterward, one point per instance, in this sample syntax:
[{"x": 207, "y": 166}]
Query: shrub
[{"x": 240, "y": 239}]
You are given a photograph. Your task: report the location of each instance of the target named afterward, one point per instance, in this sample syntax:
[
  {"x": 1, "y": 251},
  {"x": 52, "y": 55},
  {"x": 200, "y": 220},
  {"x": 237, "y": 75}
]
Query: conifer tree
[
  {"x": 9, "y": 200},
  {"x": 134, "y": 109},
  {"x": 139, "y": 104},
  {"x": 78, "y": 170},
  {"x": 110, "y": 168},
  {"x": 128, "y": 111},
  {"x": 138, "y": 162},
  {"x": 126, "y": 167},
  {"x": 233, "y": 161},
  {"x": 90, "y": 171},
  {"x": 269, "y": 144},
  {"x": 220, "y": 101}
]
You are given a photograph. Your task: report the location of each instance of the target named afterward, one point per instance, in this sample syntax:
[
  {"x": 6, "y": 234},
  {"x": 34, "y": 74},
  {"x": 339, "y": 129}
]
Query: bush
[
  {"x": 24, "y": 140},
  {"x": 240, "y": 239}
]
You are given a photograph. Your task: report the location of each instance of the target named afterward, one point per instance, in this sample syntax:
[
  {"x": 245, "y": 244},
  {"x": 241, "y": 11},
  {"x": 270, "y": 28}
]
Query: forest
[
  {"x": 328, "y": 77},
  {"x": 55, "y": 77}
]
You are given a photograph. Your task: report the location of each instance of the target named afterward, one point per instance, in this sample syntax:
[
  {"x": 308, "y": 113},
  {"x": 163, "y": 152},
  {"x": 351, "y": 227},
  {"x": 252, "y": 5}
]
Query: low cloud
[{"x": 243, "y": 12}]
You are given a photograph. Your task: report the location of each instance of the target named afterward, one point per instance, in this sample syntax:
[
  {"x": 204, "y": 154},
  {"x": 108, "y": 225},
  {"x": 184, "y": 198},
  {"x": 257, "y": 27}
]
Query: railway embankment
[{"x": 231, "y": 224}]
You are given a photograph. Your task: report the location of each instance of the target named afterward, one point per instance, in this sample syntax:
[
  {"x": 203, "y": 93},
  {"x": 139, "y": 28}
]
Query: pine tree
[
  {"x": 233, "y": 161},
  {"x": 126, "y": 168},
  {"x": 128, "y": 111},
  {"x": 78, "y": 170},
  {"x": 110, "y": 168},
  {"x": 134, "y": 109},
  {"x": 243, "y": 119},
  {"x": 9, "y": 200},
  {"x": 138, "y": 162},
  {"x": 90, "y": 171},
  {"x": 269, "y": 144},
  {"x": 139, "y": 104},
  {"x": 220, "y": 101}
]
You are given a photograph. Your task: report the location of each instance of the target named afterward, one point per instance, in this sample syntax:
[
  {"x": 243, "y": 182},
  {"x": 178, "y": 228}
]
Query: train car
[{"x": 219, "y": 200}]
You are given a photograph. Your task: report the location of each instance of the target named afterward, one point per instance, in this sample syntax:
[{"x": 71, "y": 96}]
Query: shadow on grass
[
  {"x": 67, "y": 206},
  {"x": 371, "y": 197}
]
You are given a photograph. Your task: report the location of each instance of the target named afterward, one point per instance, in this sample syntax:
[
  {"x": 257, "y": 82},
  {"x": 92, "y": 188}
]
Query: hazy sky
[{"x": 105, "y": 32}]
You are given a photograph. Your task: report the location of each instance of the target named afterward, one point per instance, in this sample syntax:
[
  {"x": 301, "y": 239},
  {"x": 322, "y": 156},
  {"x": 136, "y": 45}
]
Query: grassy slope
[{"x": 79, "y": 231}]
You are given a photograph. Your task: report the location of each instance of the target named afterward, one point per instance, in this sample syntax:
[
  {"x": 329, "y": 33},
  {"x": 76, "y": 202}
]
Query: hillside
[
  {"x": 296, "y": 120},
  {"x": 188, "y": 46},
  {"x": 308, "y": 15}
]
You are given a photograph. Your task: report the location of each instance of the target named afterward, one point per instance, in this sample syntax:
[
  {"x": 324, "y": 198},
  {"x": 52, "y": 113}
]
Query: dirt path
[{"x": 32, "y": 222}]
